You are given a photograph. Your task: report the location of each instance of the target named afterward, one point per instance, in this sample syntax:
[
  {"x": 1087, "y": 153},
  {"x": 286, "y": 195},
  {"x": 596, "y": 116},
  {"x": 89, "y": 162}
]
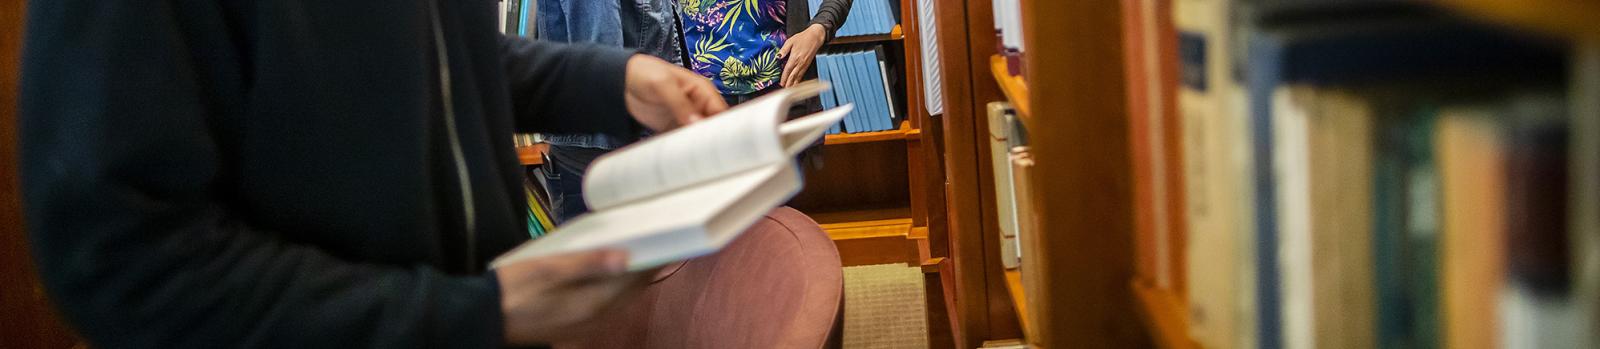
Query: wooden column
[{"x": 1081, "y": 185}]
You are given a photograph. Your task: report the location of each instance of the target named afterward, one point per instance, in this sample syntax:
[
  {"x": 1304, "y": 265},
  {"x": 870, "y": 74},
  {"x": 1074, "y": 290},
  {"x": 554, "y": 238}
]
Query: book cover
[
  {"x": 1219, "y": 253},
  {"x": 1290, "y": 174},
  {"x": 1405, "y": 225},
  {"x": 828, "y": 100},
  {"x": 1000, "y": 119},
  {"x": 873, "y": 78},
  {"x": 1471, "y": 156},
  {"x": 1340, "y": 146},
  {"x": 862, "y": 91},
  {"x": 841, "y": 88}
]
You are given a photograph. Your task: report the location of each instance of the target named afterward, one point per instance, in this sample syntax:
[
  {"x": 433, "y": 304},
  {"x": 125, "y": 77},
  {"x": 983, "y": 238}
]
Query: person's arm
[
  {"x": 800, "y": 49},
  {"x": 566, "y": 88},
  {"x": 134, "y": 237},
  {"x": 831, "y": 15},
  {"x": 574, "y": 88}
]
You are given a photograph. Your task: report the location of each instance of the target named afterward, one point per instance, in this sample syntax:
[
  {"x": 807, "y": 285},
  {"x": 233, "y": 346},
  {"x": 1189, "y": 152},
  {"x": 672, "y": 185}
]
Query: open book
[{"x": 691, "y": 191}]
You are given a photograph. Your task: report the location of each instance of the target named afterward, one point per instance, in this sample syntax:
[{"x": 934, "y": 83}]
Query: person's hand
[
  {"x": 663, "y": 96},
  {"x": 554, "y": 298},
  {"x": 800, "y": 49}
]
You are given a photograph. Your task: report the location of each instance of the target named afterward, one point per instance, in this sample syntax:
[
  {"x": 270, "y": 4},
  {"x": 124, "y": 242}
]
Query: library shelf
[
  {"x": 1164, "y": 315},
  {"x": 895, "y": 34},
  {"x": 1015, "y": 89},
  {"x": 872, "y": 236},
  {"x": 905, "y": 131},
  {"x": 532, "y": 155}
]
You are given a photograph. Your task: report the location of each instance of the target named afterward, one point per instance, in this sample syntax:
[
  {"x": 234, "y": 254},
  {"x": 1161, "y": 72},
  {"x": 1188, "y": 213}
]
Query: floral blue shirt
[{"x": 735, "y": 42}]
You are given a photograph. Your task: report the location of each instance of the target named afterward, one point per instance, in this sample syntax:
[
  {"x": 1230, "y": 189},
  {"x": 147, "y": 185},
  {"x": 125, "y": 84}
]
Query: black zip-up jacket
[{"x": 285, "y": 173}]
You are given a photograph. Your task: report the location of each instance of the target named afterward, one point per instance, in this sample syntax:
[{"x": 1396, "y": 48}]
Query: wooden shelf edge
[
  {"x": 903, "y": 132},
  {"x": 895, "y": 34},
  {"x": 1164, "y": 316},
  {"x": 1573, "y": 19},
  {"x": 1015, "y": 89},
  {"x": 532, "y": 155},
  {"x": 1019, "y": 299}
]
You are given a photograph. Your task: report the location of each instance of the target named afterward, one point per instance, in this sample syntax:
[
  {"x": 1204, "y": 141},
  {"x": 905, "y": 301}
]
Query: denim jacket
[{"x": 649, "y": 26}]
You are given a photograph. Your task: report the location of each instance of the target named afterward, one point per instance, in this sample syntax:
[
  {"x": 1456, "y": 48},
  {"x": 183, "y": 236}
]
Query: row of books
[
  {"x": 860, "y": 77},
  {"x": 517, "y": 17},
  {"x": 539, "y": 219},
  {"x": 534, "y": 188},
  {"x": 867, "y": 17},
  {"x": 1364, "y": 174},
  {"x": 1008, "y": 31}
]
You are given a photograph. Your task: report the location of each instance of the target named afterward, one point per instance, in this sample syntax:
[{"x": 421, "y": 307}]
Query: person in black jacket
[{"x": 311, "y": 173}]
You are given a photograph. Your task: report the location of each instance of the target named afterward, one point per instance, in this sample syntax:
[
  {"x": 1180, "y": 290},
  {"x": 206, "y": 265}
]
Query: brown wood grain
[
  {"x": 856, "y": 176},
  {"x": 1082, "y": 191},
  {"x": 935, "y": 273},
  {"x": 1004, "y": 321},
  {"x": 28, "y": 319},
  {"x": 970, "y": 315}
]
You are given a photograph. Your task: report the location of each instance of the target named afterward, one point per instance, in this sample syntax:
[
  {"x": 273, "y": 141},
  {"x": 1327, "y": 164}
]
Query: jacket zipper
[{"x": 469, "y": 212}]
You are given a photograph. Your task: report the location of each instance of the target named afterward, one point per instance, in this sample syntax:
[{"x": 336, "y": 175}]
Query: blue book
[
  {"x": 851, "y": 73},
  {"x": 863, "y": 104},
  {"x": 869, "y": 17},
  {"x": 880, "y": 100},
  {"x": 852, "y": 28},
  {"x": 874, "y": 77},
  {"x": 1334, "y": 51},
  {"x": 827, "y": 95},
  {"x": 884, "y": 17},
  {"x": 864, "y": 86},
  {"x": 522, "y": 27},
  {"x": 842, "y": 90}
]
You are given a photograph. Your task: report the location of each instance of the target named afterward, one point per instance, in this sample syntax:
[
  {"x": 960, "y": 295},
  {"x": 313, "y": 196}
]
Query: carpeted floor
[{"x": 885, "y": 307}]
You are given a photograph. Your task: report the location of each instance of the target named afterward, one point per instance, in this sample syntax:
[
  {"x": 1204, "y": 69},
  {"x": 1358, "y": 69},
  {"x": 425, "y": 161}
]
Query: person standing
[
  {"x": 649, "y": 26},
  {"x": 748, "y": 48}
]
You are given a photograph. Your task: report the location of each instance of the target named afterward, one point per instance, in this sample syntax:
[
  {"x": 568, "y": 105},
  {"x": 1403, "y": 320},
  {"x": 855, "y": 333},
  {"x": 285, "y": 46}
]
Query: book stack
[
  {"x": 534, "y": 186},
  {"x": 867, "y": 17},
  {"x": 1375, "y": 174},
  {"x": 539, "y": 218},
  {"x": 860, "y": 77},
  {"x": 517, "y": 17}
]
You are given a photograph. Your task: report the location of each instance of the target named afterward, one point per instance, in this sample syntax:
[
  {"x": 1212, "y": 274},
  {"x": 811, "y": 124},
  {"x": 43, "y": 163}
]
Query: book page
[
  {"x": 739, "y": 139},
  {"x": 682, "y": 224}
]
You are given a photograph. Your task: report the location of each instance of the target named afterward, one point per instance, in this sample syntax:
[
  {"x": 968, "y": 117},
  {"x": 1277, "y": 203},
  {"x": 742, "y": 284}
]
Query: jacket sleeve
[
  {"x": 567, "y": 88},
  {"x": 130, "y": 226},
  {"x": 831, "y": 15}
]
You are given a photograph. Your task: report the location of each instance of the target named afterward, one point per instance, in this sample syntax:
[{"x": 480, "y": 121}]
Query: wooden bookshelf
[
  {"x": 871, "y": 236},
  {"x": 901, "y": 133},
  {"x": 1015, "y": 89},
  {"x": 895, "y": 34}
]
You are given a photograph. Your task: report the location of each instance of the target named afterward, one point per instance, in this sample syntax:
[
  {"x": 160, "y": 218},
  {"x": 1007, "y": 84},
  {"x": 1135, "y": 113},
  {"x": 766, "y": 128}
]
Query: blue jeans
[{"x": 564, "y": 175}]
